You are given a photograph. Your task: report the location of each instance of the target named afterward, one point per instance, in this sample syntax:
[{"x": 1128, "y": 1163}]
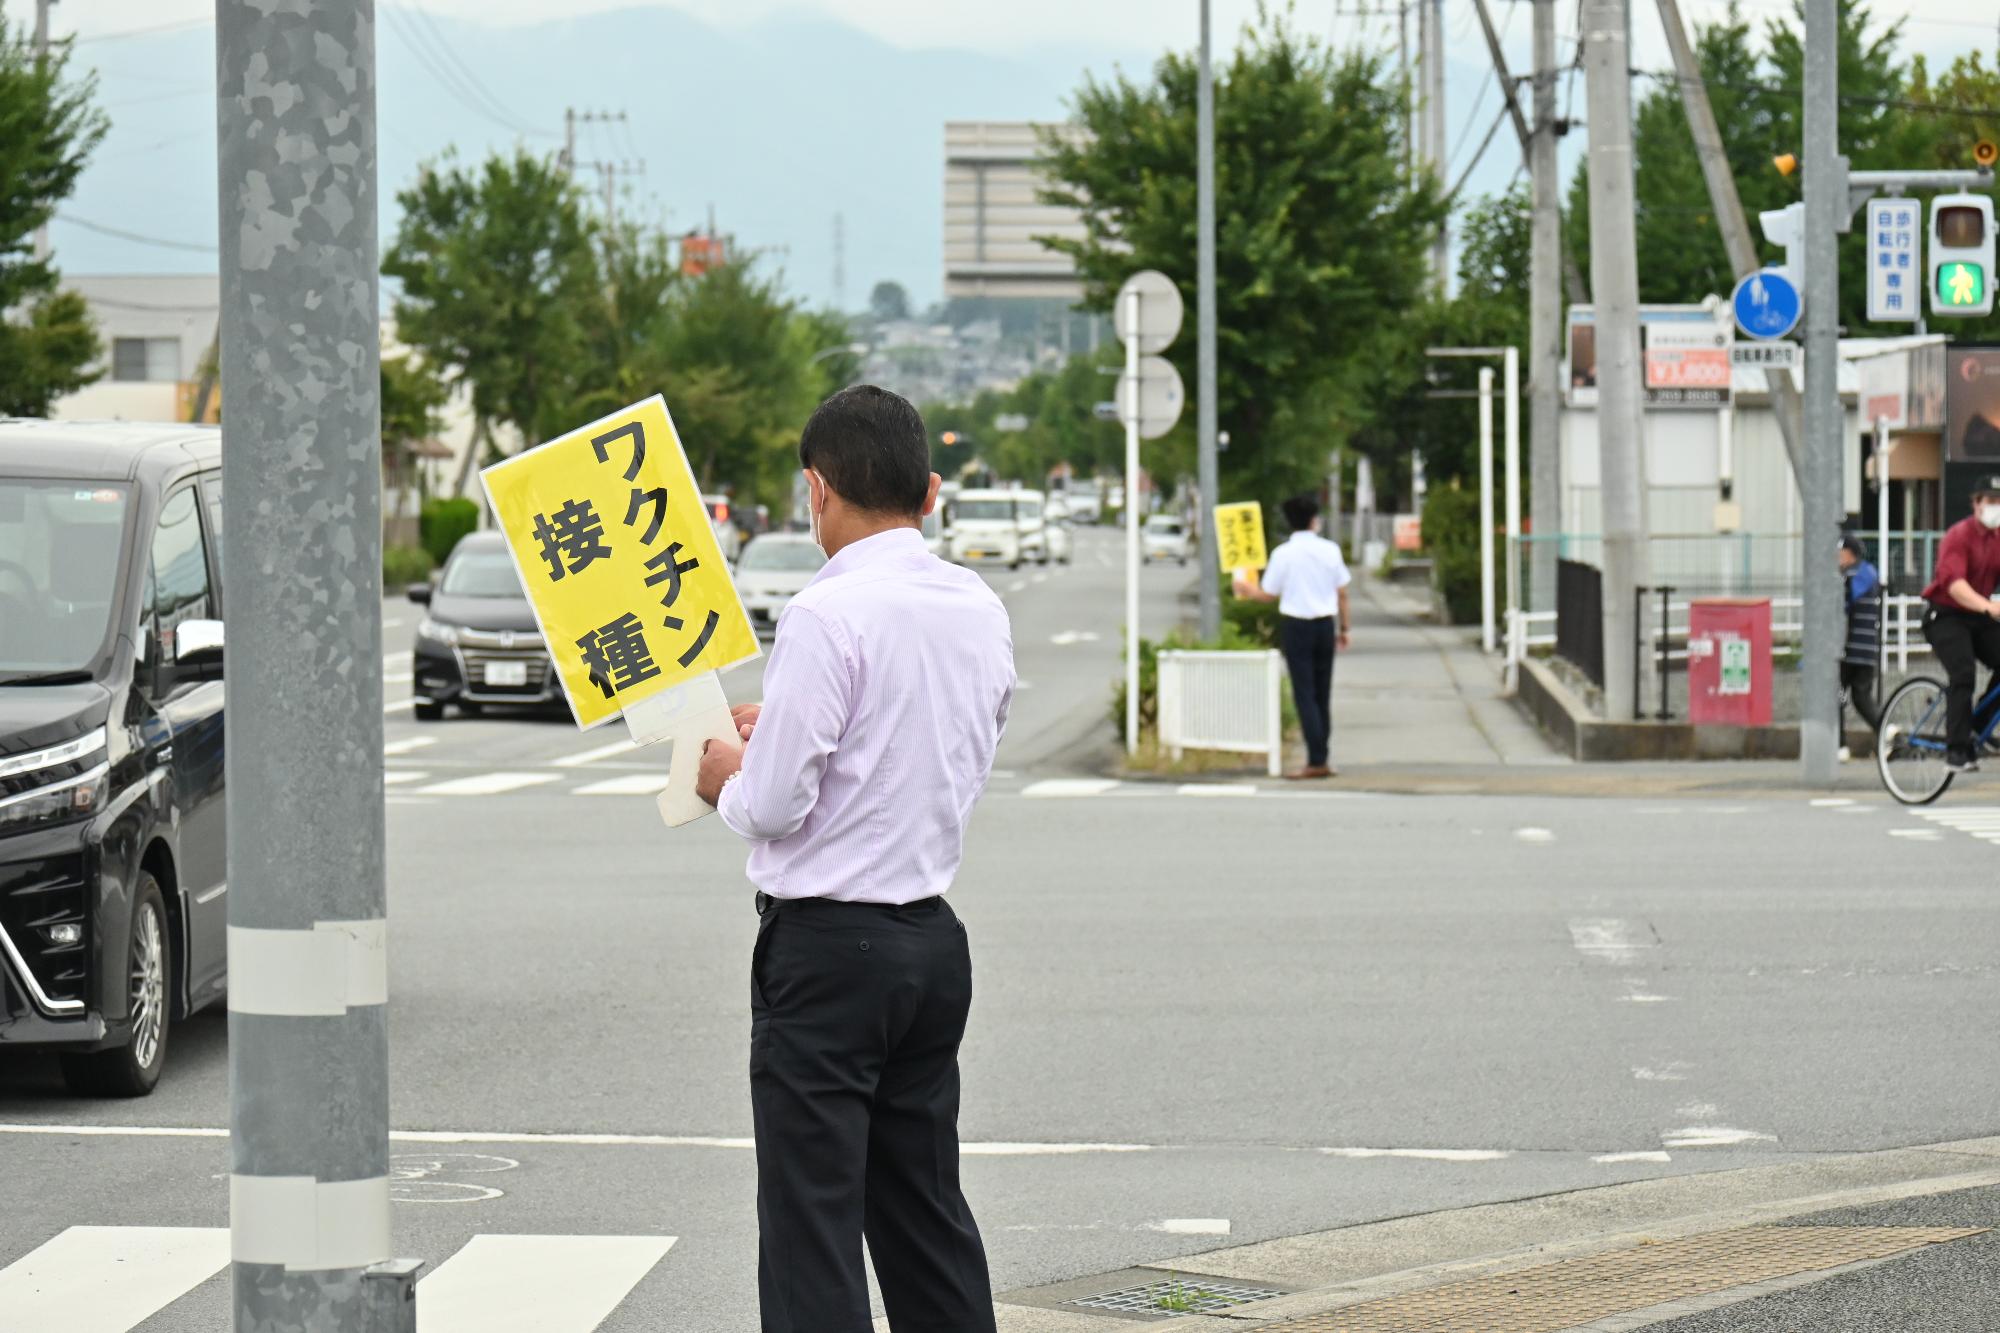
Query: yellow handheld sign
[
  {"x": 1239, "y": 536},
  {"x": 614, "y": 547}
]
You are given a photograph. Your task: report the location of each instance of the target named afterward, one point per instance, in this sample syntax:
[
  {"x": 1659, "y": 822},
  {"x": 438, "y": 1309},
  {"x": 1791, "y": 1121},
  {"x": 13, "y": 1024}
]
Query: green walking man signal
[{"x": 1961, "y": 254}]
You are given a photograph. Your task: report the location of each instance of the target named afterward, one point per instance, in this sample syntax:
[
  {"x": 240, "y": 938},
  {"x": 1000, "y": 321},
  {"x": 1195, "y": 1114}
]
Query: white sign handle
[{"x": 688, "y": 716}]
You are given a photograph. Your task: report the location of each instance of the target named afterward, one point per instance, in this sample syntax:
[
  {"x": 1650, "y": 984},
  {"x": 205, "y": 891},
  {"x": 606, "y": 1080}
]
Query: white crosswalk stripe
[
  {"x": 401, "y": 777},
  {"x": 107, "y": 1279},
  {"x": 487, "y": 784},
  {"x": 112, "y": 1279},
  {"x": 407, "y": 744},
  {"x": 626, "y": 784},
  {"x": 1978, "y": 821},
  {"x": 535, "y": 1284}
]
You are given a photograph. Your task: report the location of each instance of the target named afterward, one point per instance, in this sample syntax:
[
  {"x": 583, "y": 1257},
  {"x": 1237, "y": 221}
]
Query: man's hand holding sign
[{"x": 633, "y": 597}]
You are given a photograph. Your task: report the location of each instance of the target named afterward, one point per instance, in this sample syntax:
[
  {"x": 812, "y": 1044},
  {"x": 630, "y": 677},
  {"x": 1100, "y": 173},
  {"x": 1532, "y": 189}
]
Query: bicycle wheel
[{"x": 1909, "y": 748}]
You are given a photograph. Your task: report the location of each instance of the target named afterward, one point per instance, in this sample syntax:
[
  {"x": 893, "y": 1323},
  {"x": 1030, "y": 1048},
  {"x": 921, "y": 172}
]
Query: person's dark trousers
[
  {"x": 856, "y": 1013},
  {"x": 1307, "y": 646},
  {"x": 1961, "y": 640},
  {"x": 1857, "y": 685}
]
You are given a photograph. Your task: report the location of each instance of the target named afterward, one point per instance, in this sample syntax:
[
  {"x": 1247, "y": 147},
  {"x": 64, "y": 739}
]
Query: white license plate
[{"x": 504, "y": 674}]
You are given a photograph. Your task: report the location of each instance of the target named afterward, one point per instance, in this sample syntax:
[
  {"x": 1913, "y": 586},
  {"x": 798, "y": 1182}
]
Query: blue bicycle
[{"x": 1909, "y": 747}]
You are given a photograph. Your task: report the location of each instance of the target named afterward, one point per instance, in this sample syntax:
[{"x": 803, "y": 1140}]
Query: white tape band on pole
[
  {"x": 308, "y": 1225},
  {"x": 322, "y": 972}
]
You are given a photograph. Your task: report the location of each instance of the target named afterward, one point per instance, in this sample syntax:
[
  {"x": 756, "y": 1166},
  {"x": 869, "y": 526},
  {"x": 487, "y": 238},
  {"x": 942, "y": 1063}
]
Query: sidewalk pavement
[
  {"x": 1902, "y": 1239},
  {"x": 1411, "y": 694}
]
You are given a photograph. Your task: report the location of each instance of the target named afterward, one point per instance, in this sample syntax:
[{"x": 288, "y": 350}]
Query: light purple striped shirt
[{"x": 884, "y": 700}]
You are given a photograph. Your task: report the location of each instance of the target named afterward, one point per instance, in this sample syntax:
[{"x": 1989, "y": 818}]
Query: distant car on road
[
  {"x": 478, "y": 643},
  {"x": 774, "y": 569},
  {"x": 112, "y": 872},
  {"x": 1165, "y": 538},
  {"x": 933, "y": 530},
  {"x": 1084, "y": 505},
  {"x": 983, "y": 527}
]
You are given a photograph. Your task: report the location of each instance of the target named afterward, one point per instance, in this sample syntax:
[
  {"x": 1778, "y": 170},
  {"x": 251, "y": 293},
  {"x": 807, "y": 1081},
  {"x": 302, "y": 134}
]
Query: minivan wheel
[{"x": 133, "y": 1069}]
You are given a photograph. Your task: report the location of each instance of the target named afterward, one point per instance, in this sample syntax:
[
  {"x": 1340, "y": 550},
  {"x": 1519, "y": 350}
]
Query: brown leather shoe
[{"x": 1309, "y": 771}]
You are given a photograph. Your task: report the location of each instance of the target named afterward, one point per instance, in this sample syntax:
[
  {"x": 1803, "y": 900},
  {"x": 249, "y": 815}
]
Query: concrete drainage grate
[
  {"x": 1171, "y": 1297},
  {"x": 1551, "y": 1297}
]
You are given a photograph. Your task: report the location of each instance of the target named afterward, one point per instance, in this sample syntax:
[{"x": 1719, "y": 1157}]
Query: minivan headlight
[
  {"x": 437, "y": 631},
  {"x": 72, "y": 798}
]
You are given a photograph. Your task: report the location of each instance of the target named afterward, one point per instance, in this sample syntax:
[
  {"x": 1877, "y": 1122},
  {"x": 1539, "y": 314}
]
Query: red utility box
[{"x": 1729, "y": 661}]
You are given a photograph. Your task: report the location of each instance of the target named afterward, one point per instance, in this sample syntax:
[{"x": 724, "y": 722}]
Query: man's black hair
[
  {"x": 871, "y": 447},
  {"x": 1300, "y": 511},
  {"x": 1852, "y": 545}
]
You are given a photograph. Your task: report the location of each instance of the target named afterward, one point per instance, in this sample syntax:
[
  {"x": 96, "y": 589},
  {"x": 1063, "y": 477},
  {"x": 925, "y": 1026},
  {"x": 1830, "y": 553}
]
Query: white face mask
[{"x": 1989, "y": 514}]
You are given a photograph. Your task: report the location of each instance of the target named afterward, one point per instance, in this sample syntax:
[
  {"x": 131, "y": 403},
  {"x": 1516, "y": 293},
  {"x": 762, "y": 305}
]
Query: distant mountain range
[{"x": 778, "y": 127}]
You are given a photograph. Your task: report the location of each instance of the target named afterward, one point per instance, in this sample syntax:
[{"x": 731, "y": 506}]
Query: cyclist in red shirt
[{"x": 1962, "y": 621}]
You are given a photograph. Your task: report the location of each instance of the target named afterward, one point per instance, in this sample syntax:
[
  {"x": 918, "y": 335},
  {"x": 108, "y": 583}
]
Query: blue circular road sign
[{"x": 1767, "y": 304}]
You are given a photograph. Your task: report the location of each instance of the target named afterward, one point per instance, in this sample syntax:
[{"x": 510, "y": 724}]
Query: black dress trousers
[{"x": 857, "y": 1011}]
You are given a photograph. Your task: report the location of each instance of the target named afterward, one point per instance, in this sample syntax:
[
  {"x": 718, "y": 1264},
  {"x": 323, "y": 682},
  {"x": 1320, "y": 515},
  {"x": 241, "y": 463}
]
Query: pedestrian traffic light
[{"x": 1961, "y": 259}]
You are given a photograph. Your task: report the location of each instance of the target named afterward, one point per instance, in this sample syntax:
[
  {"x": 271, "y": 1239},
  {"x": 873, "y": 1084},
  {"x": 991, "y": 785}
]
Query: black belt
[{"x": 766, "y": 903}]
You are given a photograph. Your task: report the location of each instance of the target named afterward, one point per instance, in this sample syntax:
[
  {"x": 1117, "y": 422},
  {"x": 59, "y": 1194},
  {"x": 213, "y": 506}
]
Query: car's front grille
[
  {"x": 480, "y": 661},
  {"x": 35, "y": 896}
]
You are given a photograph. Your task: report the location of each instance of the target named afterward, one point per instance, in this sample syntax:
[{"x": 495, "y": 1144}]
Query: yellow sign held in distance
[
  {"x": 614, "y": 547},
  {"x": 1239, "y": 536}
]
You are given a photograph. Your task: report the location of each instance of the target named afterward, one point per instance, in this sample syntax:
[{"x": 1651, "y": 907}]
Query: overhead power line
[
  {"x": 1847, "y": 99},
  {"x": 124, "y": 235},
  {"x": 449, "y": 72}
]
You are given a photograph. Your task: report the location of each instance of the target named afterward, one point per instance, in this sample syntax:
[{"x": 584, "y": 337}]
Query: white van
[{"x": 983, "y": 527}]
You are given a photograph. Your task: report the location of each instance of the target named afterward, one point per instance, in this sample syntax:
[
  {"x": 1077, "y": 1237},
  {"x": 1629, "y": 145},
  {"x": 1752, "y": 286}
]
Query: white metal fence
[{"x": 1217, "y": 700}]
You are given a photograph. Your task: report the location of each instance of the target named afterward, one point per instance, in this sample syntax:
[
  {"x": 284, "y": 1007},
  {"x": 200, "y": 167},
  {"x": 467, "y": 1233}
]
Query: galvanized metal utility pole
[
  {"x": 1620, "y": 411},
  {"x": 1819, "y": 483},
  {"x": 1544, "y": 321},
  {"x": 1204, "y": 347},
  {"x": 301, "y": 448},
  {"x": 1434, "y": 112}
]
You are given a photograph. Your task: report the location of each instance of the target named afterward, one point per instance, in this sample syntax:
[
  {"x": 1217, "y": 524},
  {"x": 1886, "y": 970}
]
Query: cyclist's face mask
[{"x": 1989, "y": 512}]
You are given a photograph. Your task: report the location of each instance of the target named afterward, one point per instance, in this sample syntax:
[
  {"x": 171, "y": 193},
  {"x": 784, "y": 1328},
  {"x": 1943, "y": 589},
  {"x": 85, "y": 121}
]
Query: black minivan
[{"x": 111, "y": 776}]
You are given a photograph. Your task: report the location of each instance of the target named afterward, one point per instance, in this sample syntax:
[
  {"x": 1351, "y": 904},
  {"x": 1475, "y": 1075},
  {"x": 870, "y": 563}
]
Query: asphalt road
[{"x": 1227, "y": 1010}]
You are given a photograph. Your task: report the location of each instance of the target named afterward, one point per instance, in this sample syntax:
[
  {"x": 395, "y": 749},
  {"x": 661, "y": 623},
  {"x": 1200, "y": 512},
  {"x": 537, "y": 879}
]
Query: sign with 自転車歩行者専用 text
[
  {"x": 1239, "y": 536},
  {"x": 1895, "y": 260},
  {"x": 619, "y": 560}
]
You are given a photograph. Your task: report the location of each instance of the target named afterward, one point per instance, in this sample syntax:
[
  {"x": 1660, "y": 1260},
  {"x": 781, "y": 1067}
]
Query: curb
[{"x": 1326, "y": 1271}]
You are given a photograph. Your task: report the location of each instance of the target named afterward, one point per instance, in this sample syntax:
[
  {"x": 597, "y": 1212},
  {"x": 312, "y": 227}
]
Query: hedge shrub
[{"x": 442, "y": 522}]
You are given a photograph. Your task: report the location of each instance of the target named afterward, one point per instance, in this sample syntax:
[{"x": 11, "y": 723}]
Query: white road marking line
[
  {"x": 1039, "y": 578},
  {"x": 1534, "y": 835},
  {"x": 398, "y": 705},
  {"x": 1609, "y": 939},
  {"x": 531, "y": 1139},
  {"x": 407, "y": 744},
  {"x": 628, "y": 784},
  {"x": 1069, "y": 636},
  {"x": 1020, "y": 685},
  {"x": 1424, "y": 1154},
  {"x": 393, "y": 799},
  {"x": 1610, "y": 1158},
  {"x": 1855, "y": 810},
  {"x": 1831, "y": 802},
  {"x": 1917, "y": 834},
  {"x": 487, "y": 784},
  {"x": 397, "y": 678},
  {"x": 535, "y": 1284},
  {"x": 1640, "y": 996},
  {"x": 107, "y": 1279},
  {"x": 1668, "y": 1073},
  {"x": 1018, "y": 585},
  {"x": 1697, "y": 1110},
  {"x": 1070, "y": 787},
  {"x": 392, "y": 622},
  {"x": 397, "y": 777},
  {"x": 1712, "y": 1136},
  {"x": 1190, "y": 1226},
  {"x": 592, "y": 756},
  {"x": 1215, "y": 789}
]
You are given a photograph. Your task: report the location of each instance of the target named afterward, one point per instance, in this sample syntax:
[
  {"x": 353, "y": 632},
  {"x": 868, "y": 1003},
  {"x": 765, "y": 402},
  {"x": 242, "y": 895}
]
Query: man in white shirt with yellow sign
[{"x": 1308, "y": 579}]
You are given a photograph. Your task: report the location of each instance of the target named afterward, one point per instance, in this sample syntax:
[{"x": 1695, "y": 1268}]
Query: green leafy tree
[
  {"x": 48, "y": 129},
  {"x": 889, "y": 301},
  {"x": 1320, "y": 237},
  {"x": 500, "y": 280}
]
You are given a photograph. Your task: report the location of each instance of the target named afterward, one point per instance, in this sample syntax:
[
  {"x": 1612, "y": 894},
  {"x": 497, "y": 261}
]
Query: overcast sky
[{"x": 1935, "y": 27}]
